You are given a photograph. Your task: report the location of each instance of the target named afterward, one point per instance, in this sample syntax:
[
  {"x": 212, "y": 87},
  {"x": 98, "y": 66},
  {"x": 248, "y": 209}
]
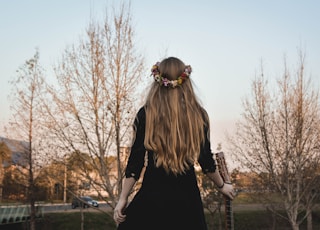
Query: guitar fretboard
[
  {"x": 227, "y": 201},
  {"x": 229, "y": 214}
]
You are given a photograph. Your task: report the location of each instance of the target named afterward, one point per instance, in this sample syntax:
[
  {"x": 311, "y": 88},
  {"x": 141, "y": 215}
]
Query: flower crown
[{"x": 165, "y": 81}]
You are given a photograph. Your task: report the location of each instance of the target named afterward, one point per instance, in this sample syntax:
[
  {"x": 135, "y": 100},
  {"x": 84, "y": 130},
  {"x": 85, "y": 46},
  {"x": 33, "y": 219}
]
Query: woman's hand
[
  {"x": 118, "y": 215},
  {"x": 228, "y": 190},
  {"x": 225, "y": 188}
]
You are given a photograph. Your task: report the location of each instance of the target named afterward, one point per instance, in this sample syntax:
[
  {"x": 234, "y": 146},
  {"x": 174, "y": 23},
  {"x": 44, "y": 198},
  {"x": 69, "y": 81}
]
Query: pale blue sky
[{"x": 224, "y": 41}]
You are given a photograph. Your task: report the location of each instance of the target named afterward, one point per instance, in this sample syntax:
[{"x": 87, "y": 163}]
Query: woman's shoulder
[
  {"x": 141, "y": 111},
  {"x": 205, "y": 115},
  {"x": 141, "y": 114}
]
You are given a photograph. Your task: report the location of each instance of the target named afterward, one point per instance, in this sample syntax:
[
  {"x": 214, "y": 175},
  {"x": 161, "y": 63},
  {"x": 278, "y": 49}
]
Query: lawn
[
  {"x": 243, "y": 220},
  {"x": 261, "y": 220}
]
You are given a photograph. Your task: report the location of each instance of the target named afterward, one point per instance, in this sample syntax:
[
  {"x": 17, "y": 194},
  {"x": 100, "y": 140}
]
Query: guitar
[{"x": 227, "y": 201}]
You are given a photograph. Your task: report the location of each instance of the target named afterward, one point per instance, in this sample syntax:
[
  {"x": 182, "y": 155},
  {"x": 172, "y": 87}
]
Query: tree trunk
[
  {"x": 294, "y": 226},
  {"x": 65, "y": 184},
  {"x": 82, "y": 216},
  {"x": 309, "y": 221},
  {"x": 32, "y": 199},
  {"x": 220, "y": 217},
  {"x": 1, "y": 192}
]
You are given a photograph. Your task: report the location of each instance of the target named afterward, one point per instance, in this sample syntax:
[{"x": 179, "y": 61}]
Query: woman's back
[{"x": 175, "y": 120}]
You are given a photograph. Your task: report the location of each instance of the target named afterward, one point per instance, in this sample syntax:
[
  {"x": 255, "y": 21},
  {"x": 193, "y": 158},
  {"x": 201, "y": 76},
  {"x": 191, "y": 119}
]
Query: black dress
[{"x": 164, "y": 201}]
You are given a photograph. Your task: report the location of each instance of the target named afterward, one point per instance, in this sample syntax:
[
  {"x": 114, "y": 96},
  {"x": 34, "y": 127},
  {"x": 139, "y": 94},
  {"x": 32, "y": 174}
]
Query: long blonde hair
[{"x": 175, "y": 121}]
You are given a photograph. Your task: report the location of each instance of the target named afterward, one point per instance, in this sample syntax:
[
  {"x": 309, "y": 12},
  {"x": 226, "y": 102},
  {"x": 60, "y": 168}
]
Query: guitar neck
[
  {"x": 227, "y": 201},
  {"x": 228, "y": 213}
]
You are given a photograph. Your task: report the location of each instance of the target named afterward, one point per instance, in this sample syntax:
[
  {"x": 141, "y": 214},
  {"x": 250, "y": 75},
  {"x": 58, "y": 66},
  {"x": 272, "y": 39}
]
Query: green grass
[
  {"x": 260, "y": 220},
  {"x": 252, "y": 198},
  {"x": 243, "y": 220},
  {"x": 72, "y": 221},
  {"x": 69, "y": 221}
]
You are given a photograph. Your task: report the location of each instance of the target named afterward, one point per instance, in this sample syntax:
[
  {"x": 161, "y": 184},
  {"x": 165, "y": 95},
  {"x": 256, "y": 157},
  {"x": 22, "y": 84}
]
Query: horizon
[{"x": 223, "y": 42}]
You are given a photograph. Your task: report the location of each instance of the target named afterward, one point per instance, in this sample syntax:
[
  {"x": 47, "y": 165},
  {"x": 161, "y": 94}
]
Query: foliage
[{"x": 5, "y": 160}]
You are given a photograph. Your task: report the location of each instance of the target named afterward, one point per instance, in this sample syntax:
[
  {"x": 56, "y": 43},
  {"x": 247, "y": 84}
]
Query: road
[
  {"x": 106, "y": 208},
  {"x": 46, "y": 208}
]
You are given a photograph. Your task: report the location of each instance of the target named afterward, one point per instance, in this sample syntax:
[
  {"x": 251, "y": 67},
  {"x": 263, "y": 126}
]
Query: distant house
[
  {"x": 13, "y": 155},
  {"x": 84, "y": 184}
]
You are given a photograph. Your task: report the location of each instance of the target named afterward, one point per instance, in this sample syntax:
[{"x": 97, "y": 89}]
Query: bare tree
[
  {"x": 92, "y": 109},
  {"x": 27, "y": 87},
  {"x": 278, "y": 140}
]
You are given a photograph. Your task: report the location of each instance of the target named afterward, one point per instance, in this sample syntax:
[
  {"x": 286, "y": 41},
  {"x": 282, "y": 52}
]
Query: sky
[{"x": 224, "y": 42}]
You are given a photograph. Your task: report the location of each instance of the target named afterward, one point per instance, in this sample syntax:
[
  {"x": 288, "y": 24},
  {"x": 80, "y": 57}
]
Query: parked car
[{"x": 84, "y": 202}]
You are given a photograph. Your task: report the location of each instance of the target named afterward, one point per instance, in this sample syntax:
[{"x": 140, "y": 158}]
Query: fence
[{"x": 17, "y": 213}]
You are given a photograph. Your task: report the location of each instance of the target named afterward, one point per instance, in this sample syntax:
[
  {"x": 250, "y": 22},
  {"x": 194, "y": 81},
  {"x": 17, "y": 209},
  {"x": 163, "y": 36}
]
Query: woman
[{"x": 173, "y": 129}]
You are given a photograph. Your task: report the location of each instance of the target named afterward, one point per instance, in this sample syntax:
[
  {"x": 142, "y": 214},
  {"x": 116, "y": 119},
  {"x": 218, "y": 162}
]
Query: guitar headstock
[{"x": 223, "y": 167}]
